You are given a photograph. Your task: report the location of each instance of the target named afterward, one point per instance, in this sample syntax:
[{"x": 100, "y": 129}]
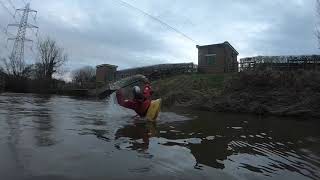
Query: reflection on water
[
  {"x": 139, "y": 135},
  {"x": 43, "y": 121},
  {"x": 51, "y": 136}
]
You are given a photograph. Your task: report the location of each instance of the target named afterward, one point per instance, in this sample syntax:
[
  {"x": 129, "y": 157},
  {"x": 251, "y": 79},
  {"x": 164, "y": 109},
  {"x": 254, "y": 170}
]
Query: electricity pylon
[{"x": 17, "y": 54}]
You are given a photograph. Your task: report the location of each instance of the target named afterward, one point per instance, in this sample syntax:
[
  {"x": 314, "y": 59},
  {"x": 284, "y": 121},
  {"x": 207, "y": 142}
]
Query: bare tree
[
  {"x": 51, "y": 58},
  {"x": 84, "y": 75},
  {"x": 1, "y": 70},
  {"x": 15, "y": 68},
  {"x": 2, "y": 65}
]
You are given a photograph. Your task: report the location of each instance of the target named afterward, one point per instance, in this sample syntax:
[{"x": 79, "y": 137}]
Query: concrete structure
[
  {"x": 217, "y": 58},
  {"x": 106, "y": 73}
]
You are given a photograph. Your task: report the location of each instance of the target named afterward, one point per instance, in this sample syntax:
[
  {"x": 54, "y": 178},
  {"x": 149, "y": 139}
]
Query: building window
[{"x": 210, "y": 59}]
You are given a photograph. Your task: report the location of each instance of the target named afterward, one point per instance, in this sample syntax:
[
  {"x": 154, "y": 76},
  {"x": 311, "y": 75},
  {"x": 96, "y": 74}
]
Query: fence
[
  {"x": 158, "y": 71},
  {"x": 282, "y": 63}
]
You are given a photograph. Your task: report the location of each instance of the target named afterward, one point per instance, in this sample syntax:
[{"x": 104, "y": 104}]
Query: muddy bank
[{"x": 265, "y": 92}]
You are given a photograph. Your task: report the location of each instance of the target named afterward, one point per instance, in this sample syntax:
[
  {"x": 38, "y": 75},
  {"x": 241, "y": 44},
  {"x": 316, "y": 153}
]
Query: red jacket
[{"x": 139, "y": 106}]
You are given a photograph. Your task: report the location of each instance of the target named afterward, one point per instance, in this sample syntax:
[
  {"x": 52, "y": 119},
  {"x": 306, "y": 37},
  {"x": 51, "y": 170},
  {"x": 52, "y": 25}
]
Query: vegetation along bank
[{"x": 295, "y": 93}]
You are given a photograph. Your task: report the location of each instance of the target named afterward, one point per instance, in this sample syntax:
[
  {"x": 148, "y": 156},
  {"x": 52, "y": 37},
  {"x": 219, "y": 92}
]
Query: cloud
[{"x": 96, "y": 32}]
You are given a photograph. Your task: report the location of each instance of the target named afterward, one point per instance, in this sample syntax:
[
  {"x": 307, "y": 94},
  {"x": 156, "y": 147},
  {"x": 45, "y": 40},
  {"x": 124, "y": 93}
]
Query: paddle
[{"x": 127, "y": 82}]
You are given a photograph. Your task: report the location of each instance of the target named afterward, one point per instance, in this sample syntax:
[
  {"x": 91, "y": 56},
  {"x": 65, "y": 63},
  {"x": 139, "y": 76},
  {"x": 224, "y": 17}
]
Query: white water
[
  {"x": 117, "y": 116},
  {"x": 114, "y": 110}
]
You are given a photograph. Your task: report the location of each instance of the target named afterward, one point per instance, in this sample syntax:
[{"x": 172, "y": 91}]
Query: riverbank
[
  {"x": 264, "y": 92},
  {"x": 42, "y": 86},
  {"x": 295, "y": 93}
]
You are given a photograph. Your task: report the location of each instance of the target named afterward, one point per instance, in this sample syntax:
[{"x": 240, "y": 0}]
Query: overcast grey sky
[{"x": 105, "y": 31}]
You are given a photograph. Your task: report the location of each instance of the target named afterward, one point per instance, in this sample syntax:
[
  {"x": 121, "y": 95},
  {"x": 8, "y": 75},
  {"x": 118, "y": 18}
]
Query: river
[{"x": 58, "y": 137}]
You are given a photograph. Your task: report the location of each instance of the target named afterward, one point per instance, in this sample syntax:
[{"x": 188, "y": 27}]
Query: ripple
[
  {"x": 267, "y": 159},
  {"x": 61, "y": 134}
]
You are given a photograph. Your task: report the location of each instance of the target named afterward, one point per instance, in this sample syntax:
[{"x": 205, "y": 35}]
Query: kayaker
[{"x": 140, "y": 102}]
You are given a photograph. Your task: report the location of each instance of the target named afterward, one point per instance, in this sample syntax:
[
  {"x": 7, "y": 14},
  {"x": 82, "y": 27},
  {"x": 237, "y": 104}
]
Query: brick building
[
  {"x": 217, "y": 58},
  {"x": 106, "y": 73}
]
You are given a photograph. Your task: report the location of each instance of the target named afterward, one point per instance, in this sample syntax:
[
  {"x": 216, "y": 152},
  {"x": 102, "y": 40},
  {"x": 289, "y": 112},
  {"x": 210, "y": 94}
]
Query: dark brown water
[{"x": 54, "y": 137}]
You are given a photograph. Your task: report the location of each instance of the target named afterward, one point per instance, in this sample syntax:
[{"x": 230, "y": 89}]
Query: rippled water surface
[{"x": 55, "y": 137}]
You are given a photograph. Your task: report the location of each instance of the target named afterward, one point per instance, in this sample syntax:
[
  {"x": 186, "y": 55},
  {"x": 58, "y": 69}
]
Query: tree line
[
  {"x": 39, "y": 76},
  {"x": 50, "y": 58}
]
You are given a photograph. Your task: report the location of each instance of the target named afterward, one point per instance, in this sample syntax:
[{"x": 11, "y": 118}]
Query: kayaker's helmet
[{"x": 137, "y": 94}]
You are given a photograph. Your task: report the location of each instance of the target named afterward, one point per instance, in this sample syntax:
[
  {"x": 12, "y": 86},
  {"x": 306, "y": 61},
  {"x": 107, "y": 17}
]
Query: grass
[
  {"x": 210, "y": 80},
  {"x": 274, "y": 92},
  {"x": 187, "y": 82},
  {"x": 188, "y": 87}
]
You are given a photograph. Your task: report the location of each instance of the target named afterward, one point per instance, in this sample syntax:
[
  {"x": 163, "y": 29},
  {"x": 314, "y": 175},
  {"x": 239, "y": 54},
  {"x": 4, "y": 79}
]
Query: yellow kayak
[{"x": 154, "y": 110}]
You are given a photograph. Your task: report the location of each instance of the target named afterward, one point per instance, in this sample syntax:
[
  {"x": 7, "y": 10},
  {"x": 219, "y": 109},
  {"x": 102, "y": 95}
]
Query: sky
[{"x": 109, "y": 32}]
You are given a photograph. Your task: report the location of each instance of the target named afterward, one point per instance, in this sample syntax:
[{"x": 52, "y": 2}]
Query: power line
[
  {"x": 35, "y": 33},
  {"x": 4, "y": 30},
  {"x": 7, "y": 9},
  {"x": 6, "y": 34},
  {"x": 32, "y": 51},
  {"x": 14, "y": 8},
  {"x": 158, "y": 20},
  {"x": 11, "y": 4},
  {"x": 24, "y": 2}
]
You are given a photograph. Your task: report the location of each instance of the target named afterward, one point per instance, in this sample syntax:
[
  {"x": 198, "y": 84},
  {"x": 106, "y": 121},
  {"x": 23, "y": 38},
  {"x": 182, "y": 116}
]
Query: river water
[{"x": 58, "y": 137}]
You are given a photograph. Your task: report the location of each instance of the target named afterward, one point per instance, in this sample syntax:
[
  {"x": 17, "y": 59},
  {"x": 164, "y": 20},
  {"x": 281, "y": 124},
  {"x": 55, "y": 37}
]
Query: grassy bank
[
  {"x": 189, "y": 90},
  {"x": 262, "y": 92}
]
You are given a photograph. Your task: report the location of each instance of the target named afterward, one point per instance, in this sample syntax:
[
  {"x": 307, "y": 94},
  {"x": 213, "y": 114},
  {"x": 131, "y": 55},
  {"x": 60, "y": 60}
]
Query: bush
[{"x": 267, "y": 80}]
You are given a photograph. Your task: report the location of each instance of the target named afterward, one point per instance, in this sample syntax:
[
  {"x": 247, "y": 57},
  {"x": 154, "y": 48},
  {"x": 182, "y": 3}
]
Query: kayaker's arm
[
  {"x": 147, "y": 91},
  {"x": 125, "y": 102}
]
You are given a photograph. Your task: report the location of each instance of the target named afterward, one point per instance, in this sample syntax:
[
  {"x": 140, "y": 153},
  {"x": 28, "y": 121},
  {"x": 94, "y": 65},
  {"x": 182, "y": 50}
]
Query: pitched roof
[
  {"x": 107, "y": 65},
  {"x": 224, "y": 43}
]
